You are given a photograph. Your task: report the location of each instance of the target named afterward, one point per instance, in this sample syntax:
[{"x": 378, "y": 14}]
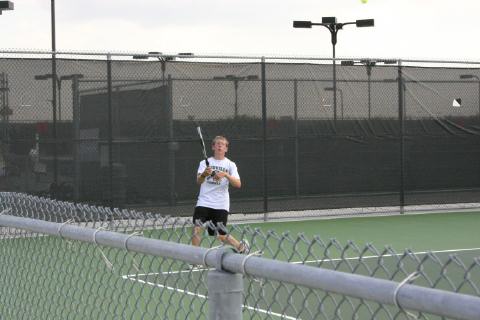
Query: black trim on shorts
[{"x": 205, "y": 214}]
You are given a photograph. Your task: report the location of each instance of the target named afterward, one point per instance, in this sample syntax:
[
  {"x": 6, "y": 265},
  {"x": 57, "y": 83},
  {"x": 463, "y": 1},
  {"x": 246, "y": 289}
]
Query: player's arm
[{"x": 234, "y": 181}]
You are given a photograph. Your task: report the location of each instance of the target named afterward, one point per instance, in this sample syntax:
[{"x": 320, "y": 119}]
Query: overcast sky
[{"x": 430, "y": 29}]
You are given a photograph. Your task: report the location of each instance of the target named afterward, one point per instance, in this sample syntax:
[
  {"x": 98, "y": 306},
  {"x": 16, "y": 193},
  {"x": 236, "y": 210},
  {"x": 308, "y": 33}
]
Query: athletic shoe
[
  {"x": 194, "y": 266},
  {"x": 244, "y": 247}
]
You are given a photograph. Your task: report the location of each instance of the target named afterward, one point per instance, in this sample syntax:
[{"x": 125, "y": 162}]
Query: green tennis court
[
  {"x": 419, "y": 232},
  {"x": 389, "y": 247},
  {"x": 64, "y": 275}
]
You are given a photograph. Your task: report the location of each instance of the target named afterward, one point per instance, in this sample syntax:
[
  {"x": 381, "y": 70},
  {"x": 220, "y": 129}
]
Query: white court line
[
  {"x": 205, "y": 297},
  {"x": 166, "y": 287},
  {"x": 311, "y": 261},
  {"x": 134, "y": 277},
  {"x": 386, "y": 255},
  {"x": 167, "y": 272}
]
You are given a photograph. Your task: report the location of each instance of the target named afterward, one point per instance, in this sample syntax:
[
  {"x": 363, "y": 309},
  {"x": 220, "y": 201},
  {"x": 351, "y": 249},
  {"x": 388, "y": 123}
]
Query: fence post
[
  {"x": 401, "y": 118},
  {"x": 110, "y": 130},
  {"x": 76, "y": 137},
  {"x": 225, "y": 295},
  {"x": 172, "y": 146},
  {"x": 295, "y": 128},
  {"x": 264, "y": 150}
]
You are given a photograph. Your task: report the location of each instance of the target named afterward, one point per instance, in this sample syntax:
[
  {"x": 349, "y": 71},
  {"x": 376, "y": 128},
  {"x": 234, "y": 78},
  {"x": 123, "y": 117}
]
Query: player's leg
[
  {"x": 199, "y": 218},
  {"x": 241, "y": 246},
  {"x": 225, "y": 237}
]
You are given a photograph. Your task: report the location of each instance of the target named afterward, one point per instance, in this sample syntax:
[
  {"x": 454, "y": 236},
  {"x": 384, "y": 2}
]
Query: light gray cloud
[{"x": 406, "y": 28}]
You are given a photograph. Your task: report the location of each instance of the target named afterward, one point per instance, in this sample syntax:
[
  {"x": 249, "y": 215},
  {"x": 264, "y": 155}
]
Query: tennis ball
[{"x": 364, "y": 1}]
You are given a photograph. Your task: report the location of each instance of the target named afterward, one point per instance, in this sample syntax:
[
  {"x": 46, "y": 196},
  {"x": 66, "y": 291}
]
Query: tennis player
[{"x": 213, "y": 201}]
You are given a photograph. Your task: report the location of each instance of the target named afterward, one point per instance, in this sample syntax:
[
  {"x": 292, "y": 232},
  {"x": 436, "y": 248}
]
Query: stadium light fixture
[
  {"x": 365, "y": 23},
  {"x": 369, "y": 64},
  {"x": 163, "y": 61},
  {"x": 469, "y": 76},
  {"x": 6, "y": 5},
  {"x": 158, "y": 55},
  {"x": 473, "y": 76},
  {"x": 333, "y": 26},
  {"x": 58, "y": 81}
]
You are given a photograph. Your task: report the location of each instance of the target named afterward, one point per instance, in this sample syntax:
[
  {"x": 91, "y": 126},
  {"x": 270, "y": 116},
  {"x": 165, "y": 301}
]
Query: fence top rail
[
  {"x": 190, "y": 56},
  {"x": 402, "y": 294}
]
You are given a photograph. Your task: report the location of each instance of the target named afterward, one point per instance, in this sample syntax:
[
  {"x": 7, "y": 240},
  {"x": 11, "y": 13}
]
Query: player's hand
[
  {"x": 219, "y": 175},
  {"x": 207, "y": 172}
]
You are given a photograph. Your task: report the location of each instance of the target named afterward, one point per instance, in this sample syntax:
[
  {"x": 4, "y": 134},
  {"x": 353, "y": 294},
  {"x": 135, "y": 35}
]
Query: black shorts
[{"x": 205, "y": 214}]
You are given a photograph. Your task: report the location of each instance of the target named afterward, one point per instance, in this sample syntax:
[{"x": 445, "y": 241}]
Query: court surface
[{"x": 64, "y": 275}]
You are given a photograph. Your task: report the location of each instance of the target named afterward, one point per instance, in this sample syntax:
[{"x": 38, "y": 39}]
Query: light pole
[
  {"x": 369, "y": 64},
  {"x": 76, "y": 132},
  {"x": 155, "y": 54},
  {"x": 163, "y": 60},
  {"x": 59, "y": 86},
  {"x": 235, "y": 80},
  {"x": 5, "y": 112},
  {"x": 55, "y": 80},
  {"x": 57, "y": 83},
  {"x": 54, "y": 96},
  {"x": 341, "y": 98},
  {"x": 333, "y": 26},
  {"x": 472, "y": 76}
]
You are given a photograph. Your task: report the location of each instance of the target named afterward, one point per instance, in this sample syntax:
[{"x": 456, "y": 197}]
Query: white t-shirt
[{"x": 214, "y": 194}]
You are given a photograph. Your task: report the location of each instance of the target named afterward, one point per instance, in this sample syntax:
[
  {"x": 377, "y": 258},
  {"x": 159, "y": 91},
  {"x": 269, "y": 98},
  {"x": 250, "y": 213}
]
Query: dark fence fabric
[{"x": 123, "y": 132}]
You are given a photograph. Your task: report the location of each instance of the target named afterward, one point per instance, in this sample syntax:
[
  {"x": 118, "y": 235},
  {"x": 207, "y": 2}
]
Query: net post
[
  {"x": 225, "y": 295},
  {"x": 225, "y": 290}
]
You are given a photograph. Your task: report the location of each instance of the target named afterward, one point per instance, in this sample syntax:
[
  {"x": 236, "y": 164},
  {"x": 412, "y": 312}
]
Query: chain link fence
[
  {"x": 72, "y": 268},
  {"x": 119, "y": 130}
]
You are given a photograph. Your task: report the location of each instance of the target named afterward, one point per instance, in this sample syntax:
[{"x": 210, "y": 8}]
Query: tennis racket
[
  {"x": 184, "y": 106},
  {"x": 199, "y": 131}
]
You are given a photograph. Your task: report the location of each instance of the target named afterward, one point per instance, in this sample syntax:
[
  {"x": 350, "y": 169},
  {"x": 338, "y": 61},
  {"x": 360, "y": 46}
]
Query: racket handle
[{"x": 207, "y": 163}]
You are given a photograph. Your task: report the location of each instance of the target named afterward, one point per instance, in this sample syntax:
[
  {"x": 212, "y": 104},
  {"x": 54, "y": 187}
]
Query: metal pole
[
  {"x": 171, "y": 143},
  {"x": 235, "y": 105},
  {"x": 4, "y": 104},
  {"x": 110, "y": 129},
  {"x": 54, "y": 97},
  {"x": 295, "y": 126},
  {"x": 59, "y": 83},
  {"x": 341, "y": 101},
  {"x": 264, "y": 150},
  {"x": 4, "y": 133},
  {"x": 334, "y": 86},
  {"x": 478, "y": 97},
  {"x": 369, "y": 75},
  {"x": 163, "y": 62},
  {"x": 225, "y": 295},
  {"x": 401, "y": 117},
  {"x": 76, "y": 138}
]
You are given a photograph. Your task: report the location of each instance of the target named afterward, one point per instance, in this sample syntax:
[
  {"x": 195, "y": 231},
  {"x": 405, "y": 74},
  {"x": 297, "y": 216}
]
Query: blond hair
[{"x": 219, "y": 138}]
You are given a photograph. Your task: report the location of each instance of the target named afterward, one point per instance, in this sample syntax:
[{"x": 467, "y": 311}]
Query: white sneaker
[
  {"x": 193, "y": 267},
  {"x": 244, "y": 247}
]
